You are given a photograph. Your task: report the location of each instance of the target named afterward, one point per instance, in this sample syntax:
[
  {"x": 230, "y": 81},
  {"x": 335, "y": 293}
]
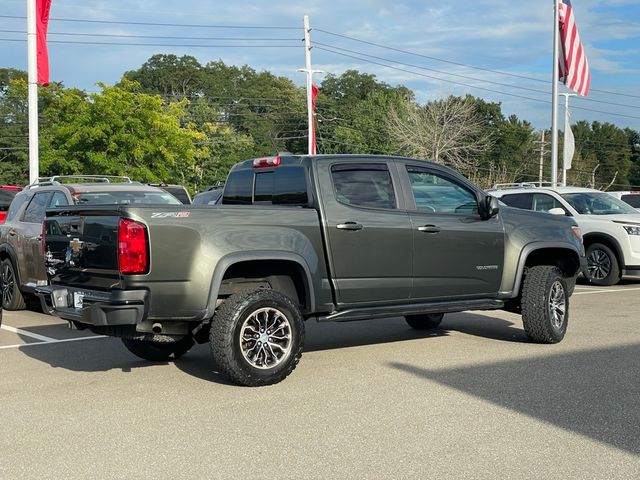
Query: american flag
[{"x": 574, "y": 68}]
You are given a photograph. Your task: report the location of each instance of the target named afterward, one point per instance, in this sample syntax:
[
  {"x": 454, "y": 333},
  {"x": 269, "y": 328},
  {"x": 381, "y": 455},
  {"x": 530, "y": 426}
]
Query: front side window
[
  {"x": 37, "y": 208},
  {"x": 364, "y": 185},
  {"x": 436, "y": 193}
]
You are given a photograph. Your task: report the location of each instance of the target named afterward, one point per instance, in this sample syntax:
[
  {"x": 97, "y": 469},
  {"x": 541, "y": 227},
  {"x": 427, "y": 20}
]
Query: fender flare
[
  {"x": 528, "y": 250},
  {"x": 234, "y": 258}
]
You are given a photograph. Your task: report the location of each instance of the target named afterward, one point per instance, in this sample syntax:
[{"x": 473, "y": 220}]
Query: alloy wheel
[
  {"x": 599, "y": 264},
  {"x": 265, "y": 338},
  {"x": 557, "y": 305}
]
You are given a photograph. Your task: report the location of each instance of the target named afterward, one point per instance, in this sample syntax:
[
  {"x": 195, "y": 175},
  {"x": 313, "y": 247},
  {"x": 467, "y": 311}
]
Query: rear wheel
[
  {"x": 12, "y": 298},
  {"x": 158, "y": 351},
  {"x": 257, "y": 337},
  {"x": 603, "y": 265},
  {"x": 545, "y": 304},
  {"x": 424, "y": 322}
]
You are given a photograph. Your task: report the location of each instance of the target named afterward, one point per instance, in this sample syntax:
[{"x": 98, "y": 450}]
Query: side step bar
[{"x": 411, "y": 309}]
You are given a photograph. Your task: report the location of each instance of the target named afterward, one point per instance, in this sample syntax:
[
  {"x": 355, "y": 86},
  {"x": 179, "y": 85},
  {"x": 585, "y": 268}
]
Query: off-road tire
[
  {"x": 158, "y": 351},
  {"x": 425, "y": 321},
  {"x": 226, "y": 329},
  {"x": 613, "y": 276},
  {"x": 536, "y": 304},
  {"x": 16, "y": 300}
]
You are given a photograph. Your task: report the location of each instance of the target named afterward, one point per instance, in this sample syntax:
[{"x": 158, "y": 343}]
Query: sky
[{"x": 493, "y": 49}]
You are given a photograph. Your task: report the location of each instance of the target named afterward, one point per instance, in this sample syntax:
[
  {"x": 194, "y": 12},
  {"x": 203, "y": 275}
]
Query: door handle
[
  {"x": 349, "y": 226},
  {"x": 429, "y": 229}
]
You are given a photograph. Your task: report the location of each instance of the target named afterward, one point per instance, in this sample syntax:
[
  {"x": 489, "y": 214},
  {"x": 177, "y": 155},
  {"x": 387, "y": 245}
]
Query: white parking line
[
  {"x": 25, "y": 333},
  {"x": 607, "y": 291},
  {"x": 21, "y": 345}
]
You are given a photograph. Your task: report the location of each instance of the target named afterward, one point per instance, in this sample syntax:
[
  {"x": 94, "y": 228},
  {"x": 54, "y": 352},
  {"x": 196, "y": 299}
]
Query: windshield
[
  {"x": 597, "y": 203},
  {"x": 126, "y": 198}
]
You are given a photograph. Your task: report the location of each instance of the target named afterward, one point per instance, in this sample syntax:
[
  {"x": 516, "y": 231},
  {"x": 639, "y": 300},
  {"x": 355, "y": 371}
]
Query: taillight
[
  {"x": 43, "y": 239},
  {"x": 266, "y": 162},
  {"x": 3, "y": 216},
  {"x": 133, "y": 255}
]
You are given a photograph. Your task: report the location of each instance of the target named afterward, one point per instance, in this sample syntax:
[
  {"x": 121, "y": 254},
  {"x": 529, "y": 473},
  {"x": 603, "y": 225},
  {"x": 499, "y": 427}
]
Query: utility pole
[
  {"x": 309, "y": 71},
  {"x": 32, "y": 69},
  {"x": 542, "y": 145},
  {"x": 565, "y": 161}
]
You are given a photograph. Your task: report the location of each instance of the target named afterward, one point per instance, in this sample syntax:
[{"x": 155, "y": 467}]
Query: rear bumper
[{"x": 100, "y": 309}]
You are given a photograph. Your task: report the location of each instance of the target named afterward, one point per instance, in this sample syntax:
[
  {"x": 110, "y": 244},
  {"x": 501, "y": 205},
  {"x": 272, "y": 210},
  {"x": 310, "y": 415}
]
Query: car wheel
[
  {"x": 257, "y": 337},
  {"x": 12, "y": 298},
  {"x": 603, "y": 265},
  {"x": 545, "y": 304},
  {"x": 424, "y": 322},
  {"x": 158, "y": 351}
]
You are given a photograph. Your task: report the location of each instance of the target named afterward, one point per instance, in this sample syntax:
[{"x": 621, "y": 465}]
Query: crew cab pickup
[{"x": 331, "y": 238}]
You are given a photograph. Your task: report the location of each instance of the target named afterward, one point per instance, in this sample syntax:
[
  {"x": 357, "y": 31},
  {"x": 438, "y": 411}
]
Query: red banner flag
[
  {"x": 314, "y": 94},
  {"x": 42, "y": 22}
]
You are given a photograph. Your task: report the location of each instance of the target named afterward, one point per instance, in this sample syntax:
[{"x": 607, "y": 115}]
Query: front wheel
[
  {"x": 545, "y": 304},
  {"x": 158, "y": 351},
  {"x": 424, "y": 322},
  {"x": 603, "y": 265},
  {"x": 257, "y": 337}
]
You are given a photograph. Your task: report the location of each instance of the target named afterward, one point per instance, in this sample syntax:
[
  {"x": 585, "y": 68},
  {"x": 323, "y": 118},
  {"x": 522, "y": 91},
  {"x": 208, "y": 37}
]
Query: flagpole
[
  {"x": 309, "y": 71},
  {"x": 32, "y": 69},
  {"x": 554, "y": 96}
]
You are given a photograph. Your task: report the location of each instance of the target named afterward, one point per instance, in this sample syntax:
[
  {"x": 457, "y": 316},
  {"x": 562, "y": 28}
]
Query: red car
[{"x": 7, "y": 192}]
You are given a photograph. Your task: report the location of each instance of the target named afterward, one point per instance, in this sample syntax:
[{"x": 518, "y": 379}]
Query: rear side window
[
  {"x": 59, "y": 200},
  {"x": 16, "y": 205},
  {"x": 633, "y": 200},
  {"x": 518, "y": 200},
  {"x": 363, "y": 185},
  {"x": 37, "y": 208}
]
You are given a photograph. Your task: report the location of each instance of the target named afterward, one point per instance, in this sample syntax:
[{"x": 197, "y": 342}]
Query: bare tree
[{"x": 446, "y": 131}]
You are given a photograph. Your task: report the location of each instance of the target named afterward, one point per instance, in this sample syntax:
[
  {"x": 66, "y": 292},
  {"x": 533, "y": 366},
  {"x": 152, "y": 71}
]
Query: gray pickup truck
[{"x": 331, "y": 238}]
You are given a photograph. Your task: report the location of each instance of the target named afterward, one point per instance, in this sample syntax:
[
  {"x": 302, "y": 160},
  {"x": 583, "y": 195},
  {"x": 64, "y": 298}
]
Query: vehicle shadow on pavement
[{"x": 593, "y": 393}]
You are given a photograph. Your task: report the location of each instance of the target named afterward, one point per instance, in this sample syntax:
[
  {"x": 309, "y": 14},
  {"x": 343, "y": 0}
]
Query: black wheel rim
[
  {"x": 8, "y": 283},
  {"x": 599, "y": 264}
]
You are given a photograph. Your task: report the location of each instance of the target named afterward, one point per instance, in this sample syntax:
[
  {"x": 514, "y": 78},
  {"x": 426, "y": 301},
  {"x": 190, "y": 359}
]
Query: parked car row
[{"x": 610, "y": 227}]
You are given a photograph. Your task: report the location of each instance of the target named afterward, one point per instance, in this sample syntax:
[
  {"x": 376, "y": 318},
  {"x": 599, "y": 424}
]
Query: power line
[
  {"x": 468, "y": 77},
  {"x": 125, "y": 35},
  {"x": 160, "y": 24},
  {"x": 475, "y": 67},
  {"x": 471, "y": 86},
  {"x": 153, "y": 44}
]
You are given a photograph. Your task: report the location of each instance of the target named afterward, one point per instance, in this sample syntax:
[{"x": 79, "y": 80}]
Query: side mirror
[
  {"x": 492, "y": 207},
  {"x": 557, "y": 211}
]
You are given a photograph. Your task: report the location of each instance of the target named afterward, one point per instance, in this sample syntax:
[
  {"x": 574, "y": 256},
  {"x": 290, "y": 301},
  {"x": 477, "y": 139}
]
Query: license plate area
[{"x": 78, "y": 300}]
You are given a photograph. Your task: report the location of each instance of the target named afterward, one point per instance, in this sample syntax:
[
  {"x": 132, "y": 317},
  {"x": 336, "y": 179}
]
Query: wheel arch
[
  {"x": 561, "y": 255},
  {"x": 287, "y": 270},
  {"x": 7, "y": 251},
  {"x": 609, "y": 241}
]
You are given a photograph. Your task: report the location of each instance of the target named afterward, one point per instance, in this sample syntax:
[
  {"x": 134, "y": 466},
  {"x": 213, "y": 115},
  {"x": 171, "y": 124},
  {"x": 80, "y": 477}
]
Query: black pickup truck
[{"x": 332, "y": 238}]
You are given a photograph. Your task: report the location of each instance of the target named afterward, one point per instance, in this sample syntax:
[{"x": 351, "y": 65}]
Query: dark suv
[{"x": 21, "y": 256}]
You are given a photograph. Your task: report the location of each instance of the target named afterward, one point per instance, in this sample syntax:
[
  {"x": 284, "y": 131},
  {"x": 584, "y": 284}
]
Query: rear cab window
[
  {"x": 125, "y": 198},
  {"x": 281, "y": 185}
]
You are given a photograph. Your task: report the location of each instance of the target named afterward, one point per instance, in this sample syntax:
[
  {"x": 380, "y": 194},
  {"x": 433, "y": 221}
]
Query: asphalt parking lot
[{"x": 374, "y": 399}]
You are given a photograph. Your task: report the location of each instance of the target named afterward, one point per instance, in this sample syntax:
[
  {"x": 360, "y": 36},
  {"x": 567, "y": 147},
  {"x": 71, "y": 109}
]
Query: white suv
[{"x": 610, "y": 227}]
